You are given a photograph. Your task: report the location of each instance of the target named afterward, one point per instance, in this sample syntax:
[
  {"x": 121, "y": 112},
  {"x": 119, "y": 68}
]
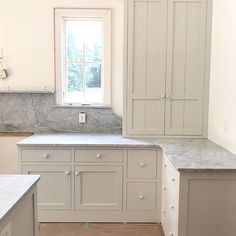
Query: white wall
[
  {"x": 27, "y": 37},
  {"x": 9, "y": 155},
  {"x": 222, "y": 113}
]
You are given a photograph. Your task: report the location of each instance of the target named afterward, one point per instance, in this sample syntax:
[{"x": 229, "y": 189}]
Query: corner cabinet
[
  {"x": 95, "y": 184},
  {"x": 166, "y": 77}
]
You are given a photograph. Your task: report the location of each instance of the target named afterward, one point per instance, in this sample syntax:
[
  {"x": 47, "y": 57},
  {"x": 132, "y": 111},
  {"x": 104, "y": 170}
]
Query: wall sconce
[{"x": 3, "y": 72}]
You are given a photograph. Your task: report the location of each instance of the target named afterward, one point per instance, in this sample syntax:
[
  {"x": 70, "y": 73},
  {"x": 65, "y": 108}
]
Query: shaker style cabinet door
[
  {"x": 147, "y": 26},
  {"x": 54, "y": 187},
  {"x": 98, "y": 188},
  {"x": 186, "y": 50}
]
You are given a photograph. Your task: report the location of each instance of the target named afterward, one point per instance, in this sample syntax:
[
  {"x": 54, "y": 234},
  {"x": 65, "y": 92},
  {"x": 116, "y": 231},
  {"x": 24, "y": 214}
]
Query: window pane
[
  {"x": 75, "y": 77},
  {"x": 74, "y": 41},
  {"x": 93, "y": 75},
  {"x": 93, "y": 42}
]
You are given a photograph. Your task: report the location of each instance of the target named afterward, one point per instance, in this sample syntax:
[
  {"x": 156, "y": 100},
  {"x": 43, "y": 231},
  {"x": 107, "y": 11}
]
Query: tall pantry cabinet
[{"x": 166, "y": 77}]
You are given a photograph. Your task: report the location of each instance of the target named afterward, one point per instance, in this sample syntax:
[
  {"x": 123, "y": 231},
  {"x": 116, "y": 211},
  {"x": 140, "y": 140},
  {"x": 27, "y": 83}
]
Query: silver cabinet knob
[
  {"x": 163, "y": 212},
  {"x": 168, "y": 96},
  {"x": 142, "y": 164},
  {"x": 67, "y": 172},
  {"x": 141, "y": 197},
  {"x": 173, "y": 180},
  {"x": 164, "y": 188},
  {"x": 76, "y": 173},
  {"x": 171, "y": 234},
  {"x": 164, "y": 165},
  {"x": 99, "y": 156},
  {"x": 172, "y": 207},
  {"x": 46, "y": 155},
  {"x": 163, "y": 96}
]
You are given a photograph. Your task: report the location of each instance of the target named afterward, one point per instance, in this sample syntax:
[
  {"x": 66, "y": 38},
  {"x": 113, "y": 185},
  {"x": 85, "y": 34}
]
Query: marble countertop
[
  {"x": 83, "y": 140},
  {"x": 185, "y": 154},
  {"x": 12, "y": 189}
]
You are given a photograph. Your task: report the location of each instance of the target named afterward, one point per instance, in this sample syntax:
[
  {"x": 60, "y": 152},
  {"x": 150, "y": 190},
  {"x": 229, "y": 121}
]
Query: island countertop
[
  {"x": 185, "y": 154},
  {"x": 12, "y": 189}
]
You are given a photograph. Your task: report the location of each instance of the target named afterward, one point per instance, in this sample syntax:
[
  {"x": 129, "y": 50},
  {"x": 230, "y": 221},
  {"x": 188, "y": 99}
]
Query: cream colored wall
[
  {"x": 9, "y": 155},
  {"x": 27, "y": 37},
  {"x": 222, "y": 113}
]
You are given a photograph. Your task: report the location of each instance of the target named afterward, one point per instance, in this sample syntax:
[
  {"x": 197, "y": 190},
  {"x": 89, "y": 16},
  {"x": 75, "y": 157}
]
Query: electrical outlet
[
  {"x": 6, "y": 231},
  {"x": 82, "y": 118}
]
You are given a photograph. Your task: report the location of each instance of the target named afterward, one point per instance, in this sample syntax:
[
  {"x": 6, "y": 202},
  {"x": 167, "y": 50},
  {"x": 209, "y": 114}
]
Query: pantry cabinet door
[
  {"x": 54, "y": 186},
  {"x": 186, "y": 50},
  {"x": 147, "y": 26},
  {"x": 98, "y": 188}
]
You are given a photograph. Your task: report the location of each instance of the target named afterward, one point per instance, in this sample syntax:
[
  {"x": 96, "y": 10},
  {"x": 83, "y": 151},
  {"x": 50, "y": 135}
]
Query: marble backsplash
[{"x": 31, "y": 112}]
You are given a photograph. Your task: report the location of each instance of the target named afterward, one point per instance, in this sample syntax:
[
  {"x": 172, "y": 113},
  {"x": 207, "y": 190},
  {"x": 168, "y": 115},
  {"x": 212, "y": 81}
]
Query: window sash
[{"x": 61, "y": 16}]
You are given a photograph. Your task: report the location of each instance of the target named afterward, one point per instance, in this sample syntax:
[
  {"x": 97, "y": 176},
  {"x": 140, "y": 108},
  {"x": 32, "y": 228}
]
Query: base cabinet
[
  {"x": 198, "y": 202},
  {"x": 95, "y": 184}
]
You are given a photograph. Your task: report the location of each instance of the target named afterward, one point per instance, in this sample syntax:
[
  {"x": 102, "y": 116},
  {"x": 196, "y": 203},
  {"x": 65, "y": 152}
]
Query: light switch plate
[
  {"x": 7, "y": 230},
  {"x": 82, "y": 118}
]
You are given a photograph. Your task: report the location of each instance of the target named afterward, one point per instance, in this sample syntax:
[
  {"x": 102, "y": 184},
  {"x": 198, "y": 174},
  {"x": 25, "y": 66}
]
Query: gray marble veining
[
  {"x": 185, "y": 154},
  {"x": 32, "y": 112},
  {"x": 12, "y": 189}
]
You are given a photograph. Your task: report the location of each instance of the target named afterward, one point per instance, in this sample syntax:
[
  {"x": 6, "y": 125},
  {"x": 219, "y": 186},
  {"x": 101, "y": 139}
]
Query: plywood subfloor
[{"x": 78, "y": 229}]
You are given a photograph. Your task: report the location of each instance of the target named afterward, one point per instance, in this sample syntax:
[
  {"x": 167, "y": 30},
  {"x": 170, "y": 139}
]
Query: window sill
[{"x": 84, "y": 106}]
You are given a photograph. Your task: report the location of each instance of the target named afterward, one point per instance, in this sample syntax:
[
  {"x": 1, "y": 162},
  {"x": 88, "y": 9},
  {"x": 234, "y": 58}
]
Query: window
[{"x": 83, "y": 56}]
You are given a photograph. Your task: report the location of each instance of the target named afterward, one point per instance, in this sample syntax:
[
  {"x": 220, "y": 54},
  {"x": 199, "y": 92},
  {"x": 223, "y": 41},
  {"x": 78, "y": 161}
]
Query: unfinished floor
[{"x": 79, "y": 229}]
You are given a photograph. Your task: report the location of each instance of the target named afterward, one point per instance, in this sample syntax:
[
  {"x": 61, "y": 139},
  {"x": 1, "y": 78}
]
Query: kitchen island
[{"x": 18, "y": 205}]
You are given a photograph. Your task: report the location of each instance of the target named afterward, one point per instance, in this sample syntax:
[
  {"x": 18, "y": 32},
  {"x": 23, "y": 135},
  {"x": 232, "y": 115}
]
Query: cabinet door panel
[
  {"x": 185, "y": 67},
  {"x": 98, "y": 188},
  {"x": 147, "y": 23},
  {"x": 54, "y": 187}
]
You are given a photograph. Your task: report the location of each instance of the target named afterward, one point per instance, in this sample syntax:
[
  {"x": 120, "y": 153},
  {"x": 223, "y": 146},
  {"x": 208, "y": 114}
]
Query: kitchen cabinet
[
  {"x": 95, "y": 184},
  {"x": 166, "y": 82}
]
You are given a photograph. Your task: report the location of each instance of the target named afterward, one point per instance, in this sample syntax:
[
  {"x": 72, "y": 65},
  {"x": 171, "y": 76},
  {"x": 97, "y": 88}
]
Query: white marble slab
[
  {"x": 83, "y": 140},
  {"x": 185, "y": 154},
  {"x": 12, "y": 189}
]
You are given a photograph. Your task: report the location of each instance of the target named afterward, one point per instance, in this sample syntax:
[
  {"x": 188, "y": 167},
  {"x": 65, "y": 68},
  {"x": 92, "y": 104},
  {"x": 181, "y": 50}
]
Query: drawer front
[
  {"x": 141, "y": 196},
  {"x": 99, "y": 155},
  {"x": 142, "y": 164},
  {"x": 45, "y": 155}
]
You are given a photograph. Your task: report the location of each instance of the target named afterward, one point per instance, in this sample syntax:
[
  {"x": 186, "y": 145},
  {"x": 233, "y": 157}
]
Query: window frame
[{"x": 60, "y": 17}]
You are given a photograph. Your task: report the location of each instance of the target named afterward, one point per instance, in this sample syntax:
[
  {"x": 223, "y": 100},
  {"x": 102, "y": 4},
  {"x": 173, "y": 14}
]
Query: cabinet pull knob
[
  {"x": 141, "y": 197},
  {"x": 76, "y": 173},
  {"x": 168, "y": 96},
  {"x": 172, "y": 207},
  {"x": 171, "y": 234},
  {"x": 164, "y": 212},
  {"x": 99, "y": 156},
  {"x": 163, "y": 96},
  {"x": 164, "y": 165},
  {"x": 164, "y": 188},
  {"x": 67, "y": 172},
  {"x": 173, "y": 180},
  {"x": 46, "y": 155},
  {"x": 142, "y": 164}
]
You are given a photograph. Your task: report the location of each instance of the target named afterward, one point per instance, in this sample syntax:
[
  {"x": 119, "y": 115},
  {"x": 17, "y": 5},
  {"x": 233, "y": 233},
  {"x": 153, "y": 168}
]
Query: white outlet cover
[{"x": 82, "y": 118}]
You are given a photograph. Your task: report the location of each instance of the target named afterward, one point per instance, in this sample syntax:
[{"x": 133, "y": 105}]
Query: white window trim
[{"x": 60, "y": 14}]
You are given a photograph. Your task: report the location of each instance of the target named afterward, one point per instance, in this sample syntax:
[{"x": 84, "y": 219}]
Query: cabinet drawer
[
  {"x": 46, "y": 155},
  {"x": 142, "y": 164},
  {"x": 141, "y": 196},
  {"x": 99, "y": 155}
]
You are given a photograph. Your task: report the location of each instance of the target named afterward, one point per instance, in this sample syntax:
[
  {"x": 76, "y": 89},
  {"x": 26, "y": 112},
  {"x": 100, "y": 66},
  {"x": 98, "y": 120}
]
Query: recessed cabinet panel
[
  {"x": 185, "y": 67},
  {"x": 54, "y": 187},
  {"x": 141, "y": 196},
  {"x": 146, "y": 66},
  {"x": 142, "y": 164},
  {"x": 98, "y": 187}
]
